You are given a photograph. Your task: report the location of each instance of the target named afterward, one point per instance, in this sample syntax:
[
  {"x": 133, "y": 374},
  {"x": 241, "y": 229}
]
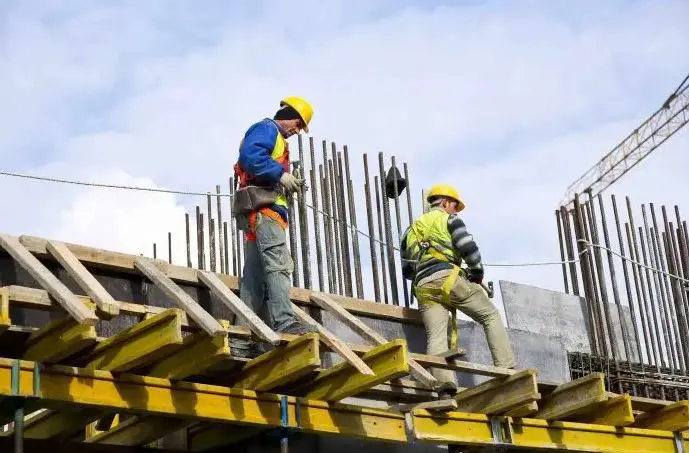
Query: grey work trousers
[
  {"x": 470, "y": 299},
  {"x": 266, "y": 276}
]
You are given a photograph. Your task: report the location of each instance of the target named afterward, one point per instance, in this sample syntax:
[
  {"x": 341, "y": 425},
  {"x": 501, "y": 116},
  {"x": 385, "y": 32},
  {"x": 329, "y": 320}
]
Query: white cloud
[{"x": 509, "y": 105}]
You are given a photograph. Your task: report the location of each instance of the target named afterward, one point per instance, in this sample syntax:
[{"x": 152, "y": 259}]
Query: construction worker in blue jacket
[
  {"x": 264, "y": 162},
  {"x": 433, "y": 249}
]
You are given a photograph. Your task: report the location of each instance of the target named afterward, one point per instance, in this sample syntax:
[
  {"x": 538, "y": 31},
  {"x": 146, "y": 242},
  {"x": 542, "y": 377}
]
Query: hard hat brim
[{"x": 306, "y": 126}]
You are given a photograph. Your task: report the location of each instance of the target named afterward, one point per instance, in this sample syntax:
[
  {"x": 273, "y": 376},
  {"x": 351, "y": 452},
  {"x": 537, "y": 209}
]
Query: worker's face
[
  {"x": 450, "y": 206},
  {"x": 292, "y": 127}
]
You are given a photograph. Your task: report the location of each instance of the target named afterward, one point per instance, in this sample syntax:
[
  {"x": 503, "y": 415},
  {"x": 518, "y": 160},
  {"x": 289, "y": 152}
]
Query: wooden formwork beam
[
  {"x": 500, "y": 395},
  {"x": 48, "y": 281},
  {"x": 195, "y": 311},
  {"x": 388, "y": 361},
  {"x": 330, "y": 340},
  {"x": 368, "y": 334},
  {"x": 139, "y": 345},
  {"x": 673, "y": 417},
  {"x": 139, "y": 431},
  {"x": 614, "y": 411},
  {"x": 573, "y": 397},
  {"x": 5, "y": 321},
  {"x": 105, "y": 303},
  {"x": 49, "y": 424},
  {"x": 59, "y": 340},
  {"x": 238, "y": 307}
]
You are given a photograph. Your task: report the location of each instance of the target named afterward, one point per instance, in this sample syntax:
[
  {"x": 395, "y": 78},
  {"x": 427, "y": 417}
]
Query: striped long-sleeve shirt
[{"x": 462, "y": 242}]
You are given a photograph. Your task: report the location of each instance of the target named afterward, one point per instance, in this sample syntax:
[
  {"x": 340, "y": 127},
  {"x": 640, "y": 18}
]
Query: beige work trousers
[{"x": 470, "y": 299}]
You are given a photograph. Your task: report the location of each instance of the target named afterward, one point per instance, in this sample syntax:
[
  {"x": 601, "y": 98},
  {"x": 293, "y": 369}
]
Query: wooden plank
[
  {"x": 615, "y": 411},
  {"x": 673, "y": 417},
  {"x": 368, "y": 334},
  {"x": 500, "y": 395},
  {"x": 48, "y": 281},
  {"x": 388, "y": 361},
  {"x": 238, "y": 307},
  {"x": 330, "y": 340},
  {"x": 139, "y": 345},
  {"x": 59, "y": 340},
  {"x": 86, "y": 281},
  {"x": 195, "y": 311},
  {"x": 283, "y": 365},
  {"x": 122, "y": 262},
  {"x": 527, "y": 410},
  {"x": 573, "y": 397},
  {"x": 438, "y": 405}
]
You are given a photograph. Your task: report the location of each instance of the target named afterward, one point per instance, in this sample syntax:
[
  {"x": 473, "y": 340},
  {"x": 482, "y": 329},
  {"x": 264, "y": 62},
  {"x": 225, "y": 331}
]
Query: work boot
[
  {"x": 446, "y": 390},
  {"x": 244, "y": 350},
  {"x": 297, "y": 328}
]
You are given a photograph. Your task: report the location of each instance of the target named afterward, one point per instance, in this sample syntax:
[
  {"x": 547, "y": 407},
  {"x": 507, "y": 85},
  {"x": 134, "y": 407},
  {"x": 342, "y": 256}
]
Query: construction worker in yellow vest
[{"x": 433, "y": 248}]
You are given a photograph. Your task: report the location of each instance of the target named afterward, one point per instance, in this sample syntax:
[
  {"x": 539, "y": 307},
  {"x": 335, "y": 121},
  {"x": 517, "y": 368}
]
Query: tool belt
[
  {"x": 427, "y": 296},
  {"x": 249, "y": 199}
]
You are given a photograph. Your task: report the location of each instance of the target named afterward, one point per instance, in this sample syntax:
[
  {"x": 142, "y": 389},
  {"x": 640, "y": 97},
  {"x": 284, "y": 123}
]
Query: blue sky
[{"x": 510, "y": 101}]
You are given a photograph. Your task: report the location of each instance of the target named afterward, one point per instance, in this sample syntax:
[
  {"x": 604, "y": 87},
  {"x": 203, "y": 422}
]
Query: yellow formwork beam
[
  {"x": 674, "y": 417},
  {"x": 283, "y": 365},
  {"x": 5, "y": 321},
  {"x": 500, "y": 395},
  {"x": 59, "y": 340},
  {"x": 458, "y": 428},
  {"x": 140, "y": 344},
  {"x": 388, "y": 361},
  {"x": 573, "y": 397},
  {"x": 61, "y": 386},
  {"x": 280, "y": 366},
  {"x": 48, "y": 424},
  {"x": 615, "y": 411}
]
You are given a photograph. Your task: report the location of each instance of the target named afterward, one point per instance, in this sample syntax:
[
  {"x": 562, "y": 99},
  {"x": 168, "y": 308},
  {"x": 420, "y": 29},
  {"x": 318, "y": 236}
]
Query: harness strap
[
  {"x": 424, "y": 295},
  {"x": 251, "y": 235}
]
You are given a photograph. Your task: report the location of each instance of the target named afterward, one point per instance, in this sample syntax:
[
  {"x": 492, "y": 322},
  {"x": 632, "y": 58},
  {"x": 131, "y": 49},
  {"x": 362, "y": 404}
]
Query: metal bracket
[
  {"x": 679, "y": 442},
  {"x": 503, "y": 434}
]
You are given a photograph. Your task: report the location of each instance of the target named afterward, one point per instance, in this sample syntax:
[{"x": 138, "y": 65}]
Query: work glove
[
  {"x": 475, "y": 274},
  {"x": 290, "y": 183}
]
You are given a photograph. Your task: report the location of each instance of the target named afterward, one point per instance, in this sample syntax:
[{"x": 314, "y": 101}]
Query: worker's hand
[
  {"x": 475, "y": 274},
  {"x": 290, "y": 183}
]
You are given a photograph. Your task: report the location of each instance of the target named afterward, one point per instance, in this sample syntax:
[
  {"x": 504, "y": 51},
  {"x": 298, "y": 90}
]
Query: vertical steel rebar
[
  {"x": 234, "y": 242},
  {"x": 615, "y": 291},
  {"x": 398, "y": 217},
  {"x": 593, "y": 285},
  {"x": 663, "y": 292},
  {"x": 199, "y": 239},
  {"x": 344, "y": 230},
  {"x": 410, "y": 214},
  {"x": 657, "y": 313},
  {"x": 211, "y": 237},
  {"x": 371, "y": 231},
  {"x": 584, "y": 251},
  {"x": 221, "y": 243},
  {"x": 292, "y": 228},
  {"x": 169, "y": 247},
  {"x": 202, "y": 242},
  {"x": 329, "y": 259},
  {"x": 562, "y": 249},
  {"x": 627, "y": 284},
  {"x": 225, "y": 240},
  {"x": 570, "y": 249},
  {"x": 355, "y": 234},
  {"x": 388, "y": 233},
  {"x": 336, "y": 228},
  {"x": 316, "y": 215},
  {"x": 304, "y": 221},
  {"x": 188, "y": 238},
  {"x": 377, "y": 190},
  {"x": 155, "y": 251},
  {"x": 601, "y": 281},
  {"x": 634, "y": 251},
  {"x": 679, "y": 300}
]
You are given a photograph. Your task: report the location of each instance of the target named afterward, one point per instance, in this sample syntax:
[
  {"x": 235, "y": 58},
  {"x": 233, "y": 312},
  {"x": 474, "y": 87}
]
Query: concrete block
[{"x": 546, "y": 312}]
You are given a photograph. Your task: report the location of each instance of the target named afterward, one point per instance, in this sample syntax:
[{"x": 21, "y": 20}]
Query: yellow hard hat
[
  {"x": 302, "y": 107},
  {"x": 445, "y": 190}
]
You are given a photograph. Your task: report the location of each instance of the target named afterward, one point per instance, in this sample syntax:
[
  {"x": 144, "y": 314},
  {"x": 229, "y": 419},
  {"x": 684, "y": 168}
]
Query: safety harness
[{"x": 437, "y": 249}]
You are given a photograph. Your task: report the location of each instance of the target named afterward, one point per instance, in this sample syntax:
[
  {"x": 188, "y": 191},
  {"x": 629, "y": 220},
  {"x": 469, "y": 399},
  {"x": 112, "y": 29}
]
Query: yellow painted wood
[
  {"x": 573, "y": 397},
  {"x": 93, "y": 431},
  {"x": 48, "y": 424},
  {"x": 388, "y": 361},
  {"x": 500, "y": 395},
  {"x": 674, "y": 417},
  {"x": 139, "y": 345},
  {"x": 526, "y": 410},
  {"x": 532, "y": 434},
  {"x": 197, "y": 353},
  {"x": 282, "y": 365},
  {"x": 615, "y": 411},
  {"x": 5, "y": 321},
  {"x": 59, "y": 340},
  {"x": 139, "y": 431}
]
